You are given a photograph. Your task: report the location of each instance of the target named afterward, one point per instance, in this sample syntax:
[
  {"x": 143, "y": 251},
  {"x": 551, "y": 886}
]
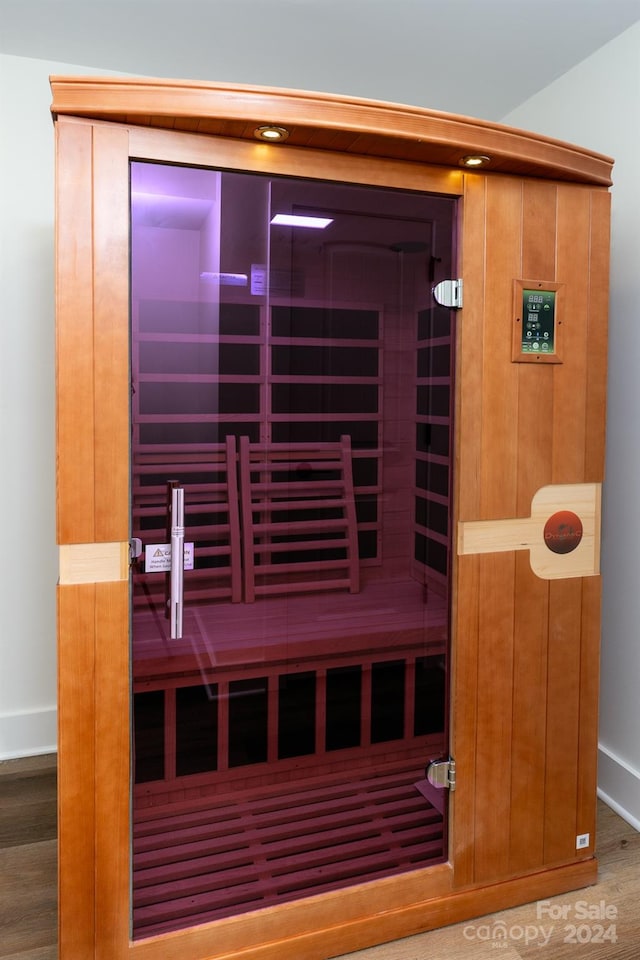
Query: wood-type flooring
[{"x": 599, "y": 923}]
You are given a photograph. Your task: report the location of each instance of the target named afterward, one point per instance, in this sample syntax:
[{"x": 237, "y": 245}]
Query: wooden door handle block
[{"x": 562, "y": 533}]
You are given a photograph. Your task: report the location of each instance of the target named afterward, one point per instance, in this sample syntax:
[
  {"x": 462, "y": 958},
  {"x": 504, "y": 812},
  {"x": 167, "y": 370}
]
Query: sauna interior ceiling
[{"x": 479, "y": 58}]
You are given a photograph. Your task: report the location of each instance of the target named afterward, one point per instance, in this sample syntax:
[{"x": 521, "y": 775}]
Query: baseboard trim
[
  {"x": 28, "y": 733},
  {"x": 619, "y": 786}
]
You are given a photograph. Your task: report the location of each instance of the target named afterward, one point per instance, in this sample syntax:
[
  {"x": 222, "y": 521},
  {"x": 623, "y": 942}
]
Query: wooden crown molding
[{"x": 326, "y": 121}]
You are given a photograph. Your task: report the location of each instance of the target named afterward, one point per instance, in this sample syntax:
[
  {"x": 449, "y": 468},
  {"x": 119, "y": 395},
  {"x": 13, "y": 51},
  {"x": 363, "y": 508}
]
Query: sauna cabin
[{"x": 331, "y": 392}]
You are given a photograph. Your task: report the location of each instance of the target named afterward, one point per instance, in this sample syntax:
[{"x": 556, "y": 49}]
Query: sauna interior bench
[{"x": 383, "y": 618}]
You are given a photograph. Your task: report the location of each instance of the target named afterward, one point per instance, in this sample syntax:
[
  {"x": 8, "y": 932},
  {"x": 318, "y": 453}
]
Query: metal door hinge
[
  {"x": 442, "y": 773},
  {"x": 448, "y": 293},
  {"x": 135, "y": 549}
]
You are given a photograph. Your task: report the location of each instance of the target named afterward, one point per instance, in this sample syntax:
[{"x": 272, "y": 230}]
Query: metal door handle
[{"x": 176, "y": 593}]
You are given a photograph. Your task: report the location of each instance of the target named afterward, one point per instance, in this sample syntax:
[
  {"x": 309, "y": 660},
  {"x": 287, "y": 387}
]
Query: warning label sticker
[{"x": 157, "y": 557}]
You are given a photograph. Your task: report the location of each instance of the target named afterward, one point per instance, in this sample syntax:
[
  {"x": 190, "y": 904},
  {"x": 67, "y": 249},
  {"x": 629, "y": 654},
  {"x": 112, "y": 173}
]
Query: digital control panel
[{"x": 538, "y": 321}]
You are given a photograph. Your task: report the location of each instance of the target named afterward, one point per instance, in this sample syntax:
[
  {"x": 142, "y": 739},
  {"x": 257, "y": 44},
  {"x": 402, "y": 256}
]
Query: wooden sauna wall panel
[
  {"x": 595, "y": 415},
  {"x": 431, "y": 538},
  {"x": 465, "y": 585},
  {"x": 530, "y": 623},
  {"x": 355, "y": 282},
  {"x": 398, "y": 426},
  {"x": 74, "y": 346},
  {"x": 92, "y": 375},
  {"x": 92, "y": 365},
  {"x": 93, "y": 763},
  {"x": 529, "y": 644},
  {"x": 112, "y": 855},
  {"x": 565, "y": 596},
  {"x": 167, "y": 780},
  {"x": 111, "y": 339},
  {"x": 76, "y": 769}
]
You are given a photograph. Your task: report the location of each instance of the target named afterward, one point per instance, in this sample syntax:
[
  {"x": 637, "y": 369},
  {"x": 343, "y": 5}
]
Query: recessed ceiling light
[
  {"x": 475, "y": 160},
  {"x": 295, "y": 220},
  {"x": 271, "y": 133}
]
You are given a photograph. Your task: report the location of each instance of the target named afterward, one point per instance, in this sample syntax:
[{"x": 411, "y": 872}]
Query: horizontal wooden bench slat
[
  {"x": 298, "y": 545},
  {"x": 264, "y": 498},
  {"x": 268, "y": 589},
  {"x": 277, "y": 529},
  {"x": 188, "y": 878},
  {"x": 275, "y": 821},
  {"x": 385, "y": 616},
  {"x": 218, "y": 498},
  {"x": 267, "y": 849}
]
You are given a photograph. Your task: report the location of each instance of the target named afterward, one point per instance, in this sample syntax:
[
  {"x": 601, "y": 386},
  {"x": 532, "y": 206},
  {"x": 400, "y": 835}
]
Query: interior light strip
[{"x": 295, "y": 220}]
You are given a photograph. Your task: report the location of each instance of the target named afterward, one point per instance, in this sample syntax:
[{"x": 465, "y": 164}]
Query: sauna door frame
[
  {"x": 93, "y": 509},
  {"x": 93, "y": 595}
]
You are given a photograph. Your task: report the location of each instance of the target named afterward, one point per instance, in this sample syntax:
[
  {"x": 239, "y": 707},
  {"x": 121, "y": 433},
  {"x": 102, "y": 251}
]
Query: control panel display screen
[{"x": 538, "y": 322}]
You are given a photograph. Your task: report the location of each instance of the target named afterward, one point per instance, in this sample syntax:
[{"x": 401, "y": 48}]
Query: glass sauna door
[{"x": 291, "y": 442}]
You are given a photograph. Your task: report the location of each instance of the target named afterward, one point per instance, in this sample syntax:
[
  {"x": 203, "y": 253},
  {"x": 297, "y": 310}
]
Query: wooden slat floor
[
  {"x": 202, "y": 860},
  {"x": 28, "y": 892}
]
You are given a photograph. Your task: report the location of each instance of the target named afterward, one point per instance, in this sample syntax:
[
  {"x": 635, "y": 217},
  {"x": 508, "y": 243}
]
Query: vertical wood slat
[
  {"x": 530, "y": 629},
  {"x": 112, "y": 783},
  {"x": 76, "y": 770},
  {"x": 494, "y": 717},
  {"x": 500, "y": 454},
  {"x": 273, "y": 731},
  {"x": 111, "y": 332},
  {"x": 563, "y": 717},
  {"x": 596, "y": 334},
  {"x": 535, "y": 410},
  {"x": 366, "y": 704},
  {"x": 321, "y": 710},
  {"x": 74, "y": 334},
  {"x": 234, "y": 518},
  {"x": 574, "y": 699},
  {"x": 570, "y": 381},
  {"x": 469, "y": 332},
  {"x": 588, "y": 716},
  {"x": 75, "y": 523},
  {"x": 466, "y": 597},
  {"x": 409, "y": 696},
  {"x": 246, "y": 525},
  {"x": 111, "y": 512},
  {"x": 223, "y": 724},
  {"x": 570, "y": 430},
  {"x": 498, "y": 481},
  {"x": 170, "y": 730},
  {"x": 528, "y": 775},
  {"x": 464, "y": 700},
  {"x": 350, "y": 513}
]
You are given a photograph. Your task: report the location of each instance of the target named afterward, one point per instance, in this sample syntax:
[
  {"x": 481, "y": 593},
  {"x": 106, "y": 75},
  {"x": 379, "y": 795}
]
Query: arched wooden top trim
[{"x": 326, "y": 122}]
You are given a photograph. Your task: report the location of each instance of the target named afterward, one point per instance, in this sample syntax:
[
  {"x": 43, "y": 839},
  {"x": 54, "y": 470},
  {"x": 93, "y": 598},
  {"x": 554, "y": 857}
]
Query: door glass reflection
[{"x": 295, "y": 381}]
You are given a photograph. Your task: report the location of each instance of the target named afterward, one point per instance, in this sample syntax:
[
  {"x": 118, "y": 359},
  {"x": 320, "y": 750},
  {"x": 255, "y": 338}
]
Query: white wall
[
  {"x": 28, "y": 560},
  {"x": 597, "y": 105}
]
